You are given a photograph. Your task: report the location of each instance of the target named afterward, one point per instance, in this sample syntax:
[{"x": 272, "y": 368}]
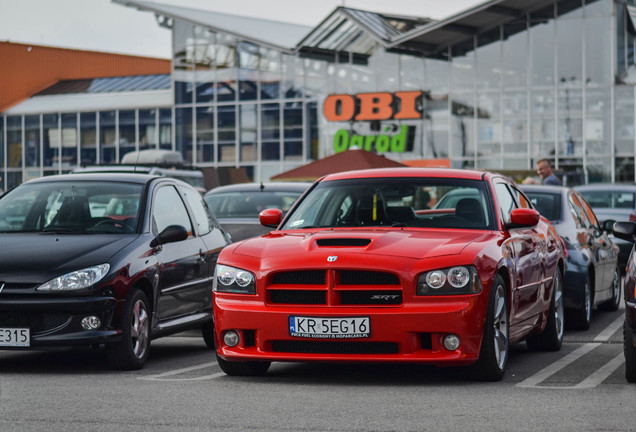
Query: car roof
[
  {"x": 545, "y": 188},
  {"x": 265, "y": 187},
  {"x": 410, "y": 172},
  {"x": 631, "y": 187},
  {"x": 125, "y": 177},
  {"x": 139, "y": 169}
]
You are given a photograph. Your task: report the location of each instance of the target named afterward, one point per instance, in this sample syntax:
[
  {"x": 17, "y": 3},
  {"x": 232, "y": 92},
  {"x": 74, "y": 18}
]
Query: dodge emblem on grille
[{"x": 332, "y": 258}]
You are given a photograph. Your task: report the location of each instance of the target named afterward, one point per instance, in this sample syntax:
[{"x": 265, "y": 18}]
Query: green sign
[{"x": 381, "y": 143}]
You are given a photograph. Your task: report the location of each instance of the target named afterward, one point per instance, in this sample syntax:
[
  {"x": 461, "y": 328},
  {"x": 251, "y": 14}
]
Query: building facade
[{"x": 496, "y": 87}]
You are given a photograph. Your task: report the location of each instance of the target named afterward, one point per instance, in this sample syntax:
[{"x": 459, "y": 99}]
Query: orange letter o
[{"x": 339, "y": 107}]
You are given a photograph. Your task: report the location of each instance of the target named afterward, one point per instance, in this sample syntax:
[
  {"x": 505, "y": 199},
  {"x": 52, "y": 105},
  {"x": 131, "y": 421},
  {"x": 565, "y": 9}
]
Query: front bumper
[
  {"x": 57, "y": 321},
  {"x": 409, "y": 333}
]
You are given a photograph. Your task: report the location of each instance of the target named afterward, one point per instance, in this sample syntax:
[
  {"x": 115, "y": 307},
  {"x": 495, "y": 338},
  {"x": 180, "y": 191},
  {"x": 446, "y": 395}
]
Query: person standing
[{"x": 544, "y": 169}]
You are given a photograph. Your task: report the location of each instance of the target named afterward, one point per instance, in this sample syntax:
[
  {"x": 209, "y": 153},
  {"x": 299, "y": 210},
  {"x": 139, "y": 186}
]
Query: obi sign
[{"x": 374, "y": 107}]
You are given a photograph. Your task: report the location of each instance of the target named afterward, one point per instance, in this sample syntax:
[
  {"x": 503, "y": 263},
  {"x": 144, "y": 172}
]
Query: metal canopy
[
  {"x": 273, "y": 34},
  {"x": 356, "y": 32},
  {"x": 352, "y": 34},
  {"x": 436, "y": 37}
]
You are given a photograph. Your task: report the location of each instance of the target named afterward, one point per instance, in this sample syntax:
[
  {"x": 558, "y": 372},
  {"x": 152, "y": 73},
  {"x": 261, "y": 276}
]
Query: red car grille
[{"x": 335, "y": 287}]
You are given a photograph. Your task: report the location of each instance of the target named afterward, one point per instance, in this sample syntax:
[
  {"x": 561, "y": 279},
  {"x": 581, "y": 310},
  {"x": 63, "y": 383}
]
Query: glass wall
[
  {"x": 55, "y": 143},
  {"x": 240, "y": 104},
  {"x": 539, "y": 86},
  {"x": 557, "y": 83}
]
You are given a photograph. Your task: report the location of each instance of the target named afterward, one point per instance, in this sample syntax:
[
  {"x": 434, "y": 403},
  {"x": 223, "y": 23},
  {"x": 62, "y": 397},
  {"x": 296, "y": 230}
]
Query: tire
[
  {"x": 495, "y": 344},
  {"x": 613, "y": 303},
  {"x": 247, "y": 368},
  {"x": 579, "y": 319},
  {"x": 132, "y": 351},
  {"x": 551, "y": 338},
  {"x": 630, "y": 354},
  {"x": 207, "y": 331}
]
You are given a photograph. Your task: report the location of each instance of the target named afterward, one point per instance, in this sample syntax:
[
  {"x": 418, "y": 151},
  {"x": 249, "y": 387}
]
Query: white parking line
[
  {"x": 550, "y": 370},
  {"x": 591, "y": 381},
  {"x": 165, "y": 375},
  {"x": 610, "y": 330},
  {"x": 599, "y": 376}
]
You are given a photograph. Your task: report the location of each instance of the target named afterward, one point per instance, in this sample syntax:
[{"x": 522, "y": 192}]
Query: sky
[{"x": 100, "y": 25}]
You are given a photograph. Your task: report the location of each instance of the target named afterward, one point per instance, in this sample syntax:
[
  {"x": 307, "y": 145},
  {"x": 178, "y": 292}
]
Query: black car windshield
[
  {"x": 71, "y": 207},
  {"x": 248, "y": 204},
  {"x": 397, "y": 202}
]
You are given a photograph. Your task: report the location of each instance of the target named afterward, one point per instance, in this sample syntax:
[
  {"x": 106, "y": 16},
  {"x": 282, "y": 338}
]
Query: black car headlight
[
  {"x": 233, "y": 280},
  {"x": 76, "y": 280},
  {"x": 449, "y": 281}
]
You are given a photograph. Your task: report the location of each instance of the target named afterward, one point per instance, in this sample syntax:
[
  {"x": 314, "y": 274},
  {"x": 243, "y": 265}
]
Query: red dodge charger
[{"x": 438, "y": 266}]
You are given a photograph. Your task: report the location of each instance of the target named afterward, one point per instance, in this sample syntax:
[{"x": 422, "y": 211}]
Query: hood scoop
[{"x": 343, "y": 242}]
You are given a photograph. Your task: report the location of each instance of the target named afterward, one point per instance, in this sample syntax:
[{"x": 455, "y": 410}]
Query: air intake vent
[
  {"x": 343, "y": 242},
  {"x": 303, "y": 277},
  {"x": 320, "y": 347},
  {"x": 298, "y": 297},
  {"x": 353, "y": 277}
]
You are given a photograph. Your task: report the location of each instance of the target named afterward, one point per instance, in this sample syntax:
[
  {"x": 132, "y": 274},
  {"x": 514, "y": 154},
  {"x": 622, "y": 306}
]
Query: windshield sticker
[{"x": 298, "y": 222}]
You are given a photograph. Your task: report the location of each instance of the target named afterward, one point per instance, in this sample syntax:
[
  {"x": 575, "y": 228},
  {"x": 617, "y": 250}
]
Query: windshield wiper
[{"x": 62, "y": 230}]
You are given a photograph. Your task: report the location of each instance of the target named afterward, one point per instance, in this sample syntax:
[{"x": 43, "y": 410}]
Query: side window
[
  {"x": 201, "y": 214},
  {"x": 578, "y": 212},
  {"x": 521, "y": 198},
  {"x": 168, "y": 209},
  {"x": 506, "y": 201},
  {"x": 589, "y": 212}
]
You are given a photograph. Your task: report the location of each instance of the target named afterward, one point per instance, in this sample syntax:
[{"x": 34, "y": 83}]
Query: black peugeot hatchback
[{"x": 113, "y": 259}]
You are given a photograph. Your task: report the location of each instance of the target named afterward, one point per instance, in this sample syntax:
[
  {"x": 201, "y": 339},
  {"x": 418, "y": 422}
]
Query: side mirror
[
  {"x": 608, "y": 225},
  {"x": 625, "y": 230},
  {"x": 171, "y": 234},
  {"x": 523, "y": 218},
  {"x": 271, "y": 217}
]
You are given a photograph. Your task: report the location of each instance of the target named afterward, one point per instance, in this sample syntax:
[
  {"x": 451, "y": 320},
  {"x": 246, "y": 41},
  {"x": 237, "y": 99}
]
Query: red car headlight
[
  {"x": 450, "y": 281},
  {"x": 233, "y": 280}
]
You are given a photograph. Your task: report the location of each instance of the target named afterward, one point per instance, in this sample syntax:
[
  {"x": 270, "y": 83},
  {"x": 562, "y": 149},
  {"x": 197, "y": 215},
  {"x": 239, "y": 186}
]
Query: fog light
[
  {"x": 91, "y": 323},
  {"x": 231, "y": 338},
  {"x": 451, "y": 342}
]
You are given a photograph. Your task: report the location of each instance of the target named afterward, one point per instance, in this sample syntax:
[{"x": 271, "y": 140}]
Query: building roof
[
  {"x": 111, "y": 84},
  {"x": 275, "y": 34},
  {"x": 138, "y": 91},
  {"x": 34, "y": 68},
  {"x": 78, "y": 102},
  {"x": 348, "y": 160}
]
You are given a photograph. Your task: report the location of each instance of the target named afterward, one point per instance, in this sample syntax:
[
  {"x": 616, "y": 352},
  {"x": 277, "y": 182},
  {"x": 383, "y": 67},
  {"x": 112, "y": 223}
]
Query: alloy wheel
[
  {"x": 500, "y": 324},
  {"x": 559, "y": 311},
  {"x": 139, "y": 332}
]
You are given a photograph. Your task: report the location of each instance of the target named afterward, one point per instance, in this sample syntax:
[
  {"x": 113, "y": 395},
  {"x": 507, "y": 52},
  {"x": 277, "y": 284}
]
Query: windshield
[
  {"x": 549, "y": 205},
  {"x": 77, "y": 207},
  {"x": 249, "y": 204},
  {"x": 397, "y": 202},
  {"x": 609, "y": 199}
]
